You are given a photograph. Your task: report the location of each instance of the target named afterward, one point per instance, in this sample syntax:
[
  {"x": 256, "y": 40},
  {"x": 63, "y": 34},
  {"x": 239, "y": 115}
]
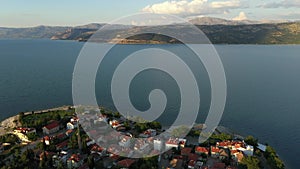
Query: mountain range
[{"x": 219, "y": 31}]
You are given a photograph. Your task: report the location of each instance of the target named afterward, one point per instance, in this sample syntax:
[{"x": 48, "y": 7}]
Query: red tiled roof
[
  {"x": 201, "y": 149},
  {"x": 52, "y": 125},
  {"x": 126, "y": 163},
  {"x": 96, "y": 148},
  {"x": 47, "y": 138},
  {"x": 75, "y": 157},
  {"x": 215, "y": 149},
  {"x": 61, "y": 135},
  {"x": 62, "y": 144},
  {"x": 191, "y": 163}
]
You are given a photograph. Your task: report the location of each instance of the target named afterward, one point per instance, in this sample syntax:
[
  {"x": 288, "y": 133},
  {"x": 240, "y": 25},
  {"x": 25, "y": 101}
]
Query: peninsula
[{"x": 54, "y": 138}]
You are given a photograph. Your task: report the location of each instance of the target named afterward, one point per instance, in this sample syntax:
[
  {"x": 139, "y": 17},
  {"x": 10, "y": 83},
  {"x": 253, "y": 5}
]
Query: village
[{"x": 78, "y": 141}]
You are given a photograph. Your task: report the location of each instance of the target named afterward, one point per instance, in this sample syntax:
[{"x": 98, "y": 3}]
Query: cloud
[
  {"x": 242, "y": 16},
  {"x": 193, "y": 7},
  {"x": 282, "y": 4}
]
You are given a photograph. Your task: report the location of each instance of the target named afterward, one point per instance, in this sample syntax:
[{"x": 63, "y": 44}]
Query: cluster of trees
[
  {"x": 250, "y": 162},
  {"x": 20, "y": 160},
  {"x": 9, "y": 138},
  {"x": 140, "y": 127},
  {"x": 273, "y": 159},
  {"x": 39, "y": 120},
  {"x": 251, "y": 141},
  {"x": 221, "y": 136}
]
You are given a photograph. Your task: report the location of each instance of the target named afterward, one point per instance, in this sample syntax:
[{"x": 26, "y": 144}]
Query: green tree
[
  {"x": 27, "y": 158},
  {"x": 91, "y": 162},
  {"x": 251, "y": 141},
  {"x": 250, "y": 162}
]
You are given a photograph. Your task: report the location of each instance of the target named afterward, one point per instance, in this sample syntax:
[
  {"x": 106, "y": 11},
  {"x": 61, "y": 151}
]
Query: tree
[
  {"x": 27, "y": 157},
  {"x": 155, "y": 125},
  {"x": 91, "y": 162},
  {"x": 21, "y": 116},
  {"x": 32, "y": 136},
  {"x": 180, "y": 131},
  {"x": 250, "y": 162},
  {"x": 273, "y": 159},
  {"x": 251, "y": 141}
]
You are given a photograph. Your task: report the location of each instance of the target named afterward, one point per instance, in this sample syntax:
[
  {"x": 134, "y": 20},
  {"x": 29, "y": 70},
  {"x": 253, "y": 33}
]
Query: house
[
  {"x": 158, "y": 144},
  {"x": 72, "y": 125},
  {"x": 248, "y": 150},
  {"x": 175, "y": 143},
  {"x": 74, "y": 119},
  {"x": 142, "y": 146},
  {"x": 74, "y": 161},
  {"x": 126, "y": 163},
  {"x": 63, "y": 145},
  {"x": 96, "y": 149},
  {"x": 25, "y": 130},
  {"x": 262, "y": 147},
  {"x": 115, "y": 124},
  {"x": 46, "y": 140},
  {"x": 148, "y": 133},
  {"x": 223, "y": 154},
  {"x": 51, "y": 128},
  {"x": 214, "y": 151},
  {"x": 125, "y": 141},
  {"x": 201, "y": 150}
]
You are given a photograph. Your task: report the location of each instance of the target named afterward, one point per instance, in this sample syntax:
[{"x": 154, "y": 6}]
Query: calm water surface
[{"x": 263, "y": 86}]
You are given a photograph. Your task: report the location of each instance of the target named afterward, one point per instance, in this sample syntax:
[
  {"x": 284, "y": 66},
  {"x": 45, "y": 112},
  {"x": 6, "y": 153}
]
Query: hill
[
  {"x": 276, "y": 33},
  {"x": 219, "y": 31}
]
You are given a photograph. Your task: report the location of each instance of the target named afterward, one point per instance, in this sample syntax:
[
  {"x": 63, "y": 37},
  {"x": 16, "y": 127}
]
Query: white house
[
  {"x": 175, "y": 143},
  {"x": 72, "y": 125},
  {"x": 158, "y": 144},
  {"x": 248, "y": 150}
]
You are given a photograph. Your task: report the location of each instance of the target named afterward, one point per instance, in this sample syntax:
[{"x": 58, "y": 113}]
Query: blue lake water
[{"x": 263, "y": 86}]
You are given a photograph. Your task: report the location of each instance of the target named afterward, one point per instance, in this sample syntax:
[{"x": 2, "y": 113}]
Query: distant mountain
[
  {"x": 34, "y": 32},
  {"x": 219, "y": 21},
  {"x": 278, "y": 33},
  {"x": 219, "y": 31}
]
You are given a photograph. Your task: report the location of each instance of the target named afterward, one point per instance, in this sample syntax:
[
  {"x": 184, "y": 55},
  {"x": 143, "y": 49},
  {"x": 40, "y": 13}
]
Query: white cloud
[
  {"x": 193, "y": 7},
  {"x": 226, "y": 4},
  {"x": 242, "y": 16},
  {"x": 282, "y": 4}
]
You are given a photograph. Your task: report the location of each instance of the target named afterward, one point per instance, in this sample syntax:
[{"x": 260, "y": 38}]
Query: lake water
[{"x": 263, "y": 86}]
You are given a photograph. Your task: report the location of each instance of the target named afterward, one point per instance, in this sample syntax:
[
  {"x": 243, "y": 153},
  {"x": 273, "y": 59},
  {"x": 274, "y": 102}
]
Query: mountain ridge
[{"x": 219, "y": 31}]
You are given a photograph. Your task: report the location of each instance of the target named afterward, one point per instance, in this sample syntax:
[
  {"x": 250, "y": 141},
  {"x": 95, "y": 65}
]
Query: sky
[{"x": 21, "y": 13}]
